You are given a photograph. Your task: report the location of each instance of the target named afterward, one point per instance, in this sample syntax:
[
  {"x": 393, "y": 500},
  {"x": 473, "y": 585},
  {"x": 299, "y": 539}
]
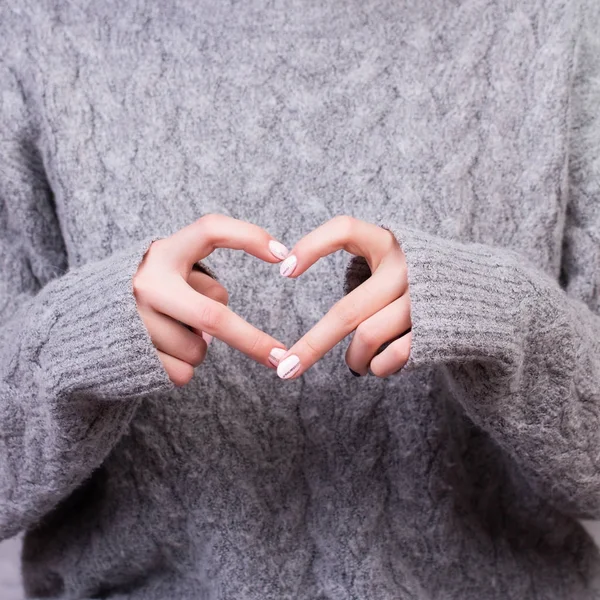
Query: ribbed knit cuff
[
  {"x": 465, "y": 299},
  {"x": 97, "y": 343}
]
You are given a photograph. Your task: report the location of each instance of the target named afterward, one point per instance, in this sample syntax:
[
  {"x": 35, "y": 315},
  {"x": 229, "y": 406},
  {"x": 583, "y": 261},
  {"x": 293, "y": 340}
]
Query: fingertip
[
  {"x": 278, "y": 250},
  {"x": 393, "y": 359},
  {"x": 289, "y": 367},
  {"x": 288, "y": 266},
  {"x": 276, "y": 355}
]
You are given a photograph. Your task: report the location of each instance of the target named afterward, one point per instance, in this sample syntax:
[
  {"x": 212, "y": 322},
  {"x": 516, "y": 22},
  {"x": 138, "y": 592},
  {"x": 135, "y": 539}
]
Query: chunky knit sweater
[{"x": 470, "y": 128}]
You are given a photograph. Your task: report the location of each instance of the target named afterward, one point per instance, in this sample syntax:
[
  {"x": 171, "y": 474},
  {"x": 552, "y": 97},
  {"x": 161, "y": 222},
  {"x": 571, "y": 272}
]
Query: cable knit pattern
[{"x": 471, "y": 130}]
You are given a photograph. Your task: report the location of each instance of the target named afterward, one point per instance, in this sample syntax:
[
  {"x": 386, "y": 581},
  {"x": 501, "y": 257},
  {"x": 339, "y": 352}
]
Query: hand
[
  {"x": 378, "y": 309},
  {"x": 171, "y": 295}
]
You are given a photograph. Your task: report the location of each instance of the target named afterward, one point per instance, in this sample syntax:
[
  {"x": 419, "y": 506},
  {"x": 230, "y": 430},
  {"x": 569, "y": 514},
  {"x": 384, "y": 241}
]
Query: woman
[{"x": 453, "y": 146}]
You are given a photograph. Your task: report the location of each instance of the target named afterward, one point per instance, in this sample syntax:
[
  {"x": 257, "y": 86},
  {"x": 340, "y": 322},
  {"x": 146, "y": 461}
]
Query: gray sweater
[{"x": 470, "y": 128}]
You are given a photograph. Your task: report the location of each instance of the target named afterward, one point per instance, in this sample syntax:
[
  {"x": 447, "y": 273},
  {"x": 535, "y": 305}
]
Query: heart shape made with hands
[
  {"x": 179, "y": 299},
  {"x": 376, "y": 304}
]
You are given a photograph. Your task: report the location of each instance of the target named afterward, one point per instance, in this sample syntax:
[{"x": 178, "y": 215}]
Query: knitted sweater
[{"x": 471, "y": 129}]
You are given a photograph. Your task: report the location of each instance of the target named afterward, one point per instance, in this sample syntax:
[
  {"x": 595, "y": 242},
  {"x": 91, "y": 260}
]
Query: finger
[
  {"x": 206, "y": 285},
  {"x": 174, "y": 339},
  {"x": 197, "y": 240},
  {"x": 381, "y": 289},
  {"x": 179, "y": 372},
  {"x": 181, "y": 302},
  {"x": 393, "y": 358},
  {"x": 385, "y": 325},
  {"x": 341, "y": 233}
]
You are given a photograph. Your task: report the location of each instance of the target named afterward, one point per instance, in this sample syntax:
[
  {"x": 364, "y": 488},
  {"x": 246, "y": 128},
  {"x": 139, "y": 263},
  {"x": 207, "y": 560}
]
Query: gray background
[{"x": 10, "y": 588}]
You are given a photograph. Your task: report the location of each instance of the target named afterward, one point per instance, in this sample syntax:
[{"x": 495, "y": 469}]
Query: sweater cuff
[
  {"x": 97, "y": 343},
  {"x": 464, "y": 299}
]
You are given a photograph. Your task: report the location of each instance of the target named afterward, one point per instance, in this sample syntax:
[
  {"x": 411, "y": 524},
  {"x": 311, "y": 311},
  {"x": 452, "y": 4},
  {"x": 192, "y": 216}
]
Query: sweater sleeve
[
  {"x": 75, "y": 357},
  {"x": 520, "y": 350}
]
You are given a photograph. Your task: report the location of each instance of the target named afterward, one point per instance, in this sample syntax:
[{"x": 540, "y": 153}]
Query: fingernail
[
  {"x": 207, "y": 338},
  {"x": 354, "y": 373},
  {"x": 288, "y": 265},
  {"x": 288, "y": 367},
  {"x": 278, "y": 250},
  {"x": 275, "y": 356}
]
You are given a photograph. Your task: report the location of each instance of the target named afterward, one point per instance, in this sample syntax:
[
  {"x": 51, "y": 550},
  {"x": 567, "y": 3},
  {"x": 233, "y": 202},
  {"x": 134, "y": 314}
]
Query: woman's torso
[{"x": 286, "y": 114}]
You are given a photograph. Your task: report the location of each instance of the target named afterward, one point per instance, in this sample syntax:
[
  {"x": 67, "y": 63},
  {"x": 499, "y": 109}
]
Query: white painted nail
[
  {"x": 278, "y": 250},
  {"x": 288, "y": 367},
  {"x": 288, "y": 265},
  {"x": 275, "y": 356},
  {"x": 207, "y": 337}
]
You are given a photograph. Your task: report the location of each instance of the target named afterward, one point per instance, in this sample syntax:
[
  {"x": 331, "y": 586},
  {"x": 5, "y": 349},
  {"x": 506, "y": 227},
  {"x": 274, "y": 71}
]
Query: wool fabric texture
[{"x": 469, "y": 128}]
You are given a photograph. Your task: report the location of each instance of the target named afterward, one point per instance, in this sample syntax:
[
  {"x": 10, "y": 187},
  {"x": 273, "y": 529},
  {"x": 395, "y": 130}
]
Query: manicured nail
[
  {"x": 288, "y": 367},
  {"x": 288, "y": 265},
  {"x": 354, "y": 373},
  {"x": 278, "y": 250},
  {"x": 275, "y": 356},
  {"x": 207, "y": 337}
]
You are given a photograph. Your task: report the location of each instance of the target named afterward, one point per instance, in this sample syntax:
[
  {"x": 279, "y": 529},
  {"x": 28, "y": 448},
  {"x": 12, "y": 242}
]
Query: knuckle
[
  {"x": 142, "y": 285},
  {"x": 156, "y": 251},
  {"x": 399, "y": 352},
  {"x": 390, "y": 242},
  {"x": 211, "y": 317},
  {"x": 144, "y": 280},
  {"x": 346, "y": 315},
  {"x": 345, "y": 224},
  {"x": 181, "y": 374},
  {"x": 255, "y": 345},
  {"x": 195, "y": 350},
  {"x": 376, "y": 369},
  {"x": 222, "y": 297},
  {"x": 209, "y": 221},
  {"x": 312, "y": 347},
  {"x": 219, "y": 293},
  {"x": 158, "y": 246},
  {"x": 365, "y": 336}
]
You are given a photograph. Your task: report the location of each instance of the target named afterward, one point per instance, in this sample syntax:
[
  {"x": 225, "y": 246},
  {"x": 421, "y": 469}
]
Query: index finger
[
  {"x": 381, "y": 289},
  {"x": 340, "y": 233},
  {"x": 387, "y": 283},
  {"x": 180, "y": 301},
  {"x": 200, "y": 238}
]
